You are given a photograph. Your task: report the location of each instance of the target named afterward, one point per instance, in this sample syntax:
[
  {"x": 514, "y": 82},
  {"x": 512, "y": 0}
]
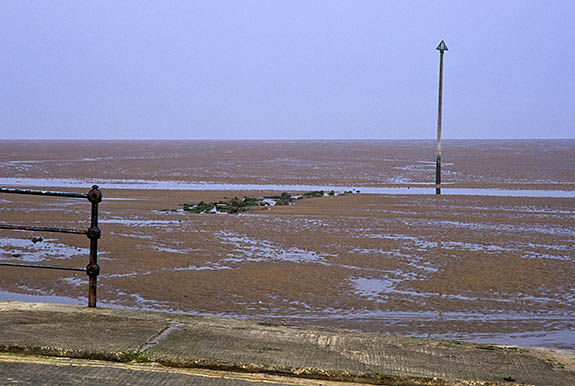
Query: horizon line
[{"x": 288, "y": 139}]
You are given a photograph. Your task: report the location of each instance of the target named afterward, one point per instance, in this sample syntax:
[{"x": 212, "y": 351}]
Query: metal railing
[{"x": 93, "y": 233}]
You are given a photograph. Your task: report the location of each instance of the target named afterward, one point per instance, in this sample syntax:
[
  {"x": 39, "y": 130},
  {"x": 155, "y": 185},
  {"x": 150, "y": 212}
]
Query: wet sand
[{"x": 483, "y": 268}]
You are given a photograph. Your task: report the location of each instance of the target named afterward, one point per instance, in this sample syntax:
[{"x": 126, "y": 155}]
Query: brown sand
[{"x": 472, "y": 267}]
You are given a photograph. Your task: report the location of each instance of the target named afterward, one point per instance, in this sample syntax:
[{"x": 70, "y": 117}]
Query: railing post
[{"x": 94, "y": 233}]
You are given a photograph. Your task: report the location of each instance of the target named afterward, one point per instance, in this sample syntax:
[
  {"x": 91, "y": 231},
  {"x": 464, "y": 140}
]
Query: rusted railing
[{"x": 93, "y": 233}]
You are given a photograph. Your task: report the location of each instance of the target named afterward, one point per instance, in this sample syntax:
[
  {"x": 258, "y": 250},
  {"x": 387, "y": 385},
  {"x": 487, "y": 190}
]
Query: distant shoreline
[{"x": 418, "y": 140}]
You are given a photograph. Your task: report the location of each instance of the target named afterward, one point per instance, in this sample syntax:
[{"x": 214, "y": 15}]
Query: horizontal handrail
[
  {"x": 44, "y": 193},
  {"x": 64, "y": 268},
  {"x": 42, "y": 229}
]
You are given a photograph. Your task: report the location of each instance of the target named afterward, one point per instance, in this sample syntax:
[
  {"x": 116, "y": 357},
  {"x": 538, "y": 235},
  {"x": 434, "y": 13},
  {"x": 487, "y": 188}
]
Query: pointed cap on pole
[{"x": 442, "y": 46}]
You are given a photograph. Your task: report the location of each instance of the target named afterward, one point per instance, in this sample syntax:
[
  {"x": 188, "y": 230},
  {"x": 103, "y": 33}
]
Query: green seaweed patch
[
  {"x": 233, "y": 205},
  {"x": 555, "y": 363},
  {"x": 238, "y": 205},
  {"x": 317, "y": 193},
  {"x": 283, "y": 199}
]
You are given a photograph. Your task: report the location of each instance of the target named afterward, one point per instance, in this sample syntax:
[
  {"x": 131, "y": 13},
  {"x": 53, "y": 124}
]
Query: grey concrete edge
[{"x": 142, "y": 355}]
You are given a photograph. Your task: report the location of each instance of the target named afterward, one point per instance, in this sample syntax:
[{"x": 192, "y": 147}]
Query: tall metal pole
[{"x": 442, "y": 47}]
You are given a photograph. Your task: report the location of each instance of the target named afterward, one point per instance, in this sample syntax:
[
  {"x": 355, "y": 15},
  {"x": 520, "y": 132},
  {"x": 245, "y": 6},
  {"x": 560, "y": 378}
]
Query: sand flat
[{"x": 484, "y": 268}]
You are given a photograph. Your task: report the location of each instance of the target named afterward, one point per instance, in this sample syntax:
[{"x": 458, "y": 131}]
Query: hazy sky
[{"x": 301, "y": 69}]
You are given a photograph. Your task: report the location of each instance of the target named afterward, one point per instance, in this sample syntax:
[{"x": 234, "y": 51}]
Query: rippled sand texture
[
  {"x": 496, "y": 269},
  {"x": 547, "y": 164}
]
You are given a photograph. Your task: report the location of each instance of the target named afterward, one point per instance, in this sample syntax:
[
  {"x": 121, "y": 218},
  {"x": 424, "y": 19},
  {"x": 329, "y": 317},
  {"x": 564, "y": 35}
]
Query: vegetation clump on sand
[
  {"x": 234, "y": 205},
  {"x": 283, "y": 199},
  {"x": 237, "y": 205},
  {"x": 319, "y": 193}
]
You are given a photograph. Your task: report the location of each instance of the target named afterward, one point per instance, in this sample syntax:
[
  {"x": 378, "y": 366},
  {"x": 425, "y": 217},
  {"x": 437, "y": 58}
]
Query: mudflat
[{"x": 482, "y": 266}]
